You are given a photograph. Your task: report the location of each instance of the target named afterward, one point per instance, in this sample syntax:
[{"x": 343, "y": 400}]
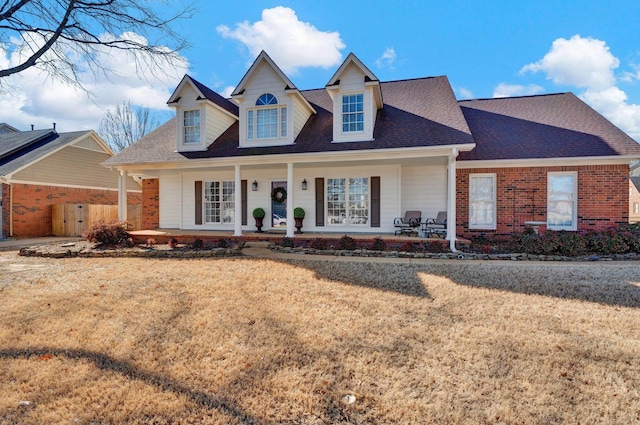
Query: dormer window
[
  {"x": 270, "y": 121},
  {"x": 191, "y": 125},
  {"x": 352, "y": 113}
]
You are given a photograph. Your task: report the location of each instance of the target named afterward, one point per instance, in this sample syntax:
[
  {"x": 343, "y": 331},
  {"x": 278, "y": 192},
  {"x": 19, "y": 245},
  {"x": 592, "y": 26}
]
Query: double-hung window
[
  {"x": 268, "y": 120},
  {"x": 191, "y": 126},
  {"x": 219, "y": 202},
  {"x": 348, "y": 201},
  {"x": 562, "y": 201},
  {"x": 352, "y": 113},
  {"x": 482, "y": 201}
]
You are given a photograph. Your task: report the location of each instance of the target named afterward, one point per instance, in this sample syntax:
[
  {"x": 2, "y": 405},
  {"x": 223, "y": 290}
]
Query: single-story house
[
  {"x": 360, "y": 152},
  {"x": 40, "y": 168}
]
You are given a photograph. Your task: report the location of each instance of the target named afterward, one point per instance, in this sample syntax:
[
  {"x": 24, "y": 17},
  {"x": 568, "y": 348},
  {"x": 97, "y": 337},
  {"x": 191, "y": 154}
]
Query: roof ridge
[{"x": 514, "y": 97}]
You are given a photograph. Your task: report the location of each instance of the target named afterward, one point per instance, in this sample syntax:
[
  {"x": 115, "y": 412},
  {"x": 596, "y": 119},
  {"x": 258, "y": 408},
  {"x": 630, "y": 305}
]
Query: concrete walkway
[{"x": 14, "y": 244}]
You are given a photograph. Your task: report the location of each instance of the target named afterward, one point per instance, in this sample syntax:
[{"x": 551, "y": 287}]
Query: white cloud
[
  {"x": 291, "y": 43},
  {"x": 465, "y": 93},
  {"x": 388, "y": 59},
  {"x": 509, "y": 90},
  {"x": 588, "y": 64},
  {"x": 226, "y": 92},
  {"x": 33, "y": 97}
]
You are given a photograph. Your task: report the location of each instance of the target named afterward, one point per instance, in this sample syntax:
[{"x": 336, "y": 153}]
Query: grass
[{"x": 98, "y": 341}]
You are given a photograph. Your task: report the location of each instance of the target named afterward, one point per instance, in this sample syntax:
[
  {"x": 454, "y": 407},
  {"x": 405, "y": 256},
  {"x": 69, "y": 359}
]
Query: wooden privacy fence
[{"x": 74, "y": 219}]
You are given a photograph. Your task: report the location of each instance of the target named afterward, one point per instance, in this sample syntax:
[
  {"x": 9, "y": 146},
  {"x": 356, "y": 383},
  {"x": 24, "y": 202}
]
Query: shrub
[
  {"x": 347, "y": 243},
  {"x": 407, "y": 246},
  {"x": 378, "y": 245},
  {"x": 287, "y": 243},
  {"x": 319, "y": 243},
  {"x": 298, "y": 212},
  {"x": 111, "y": 234},
  {"x": 222, "y": 243},
  {"x": 258, "y": 213},
  {"x": 173, "y": 243},
  {"x": 151, "y": 242},
  {"x": 197, "y": 244},
  {"x": 436, "y": 247}
]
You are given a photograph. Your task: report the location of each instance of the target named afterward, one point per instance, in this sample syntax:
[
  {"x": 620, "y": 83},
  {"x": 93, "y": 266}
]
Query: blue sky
[{"x": 486, "y": 48}]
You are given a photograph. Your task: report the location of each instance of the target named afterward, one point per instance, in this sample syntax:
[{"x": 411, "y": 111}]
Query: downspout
[
  {"x": 451, "y": 200},
  {"x": 10, "y": 209}
]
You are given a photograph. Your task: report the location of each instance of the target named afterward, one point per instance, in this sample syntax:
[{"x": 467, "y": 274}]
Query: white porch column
[
  {"x": 237, "y": 219},
  {"x": 290, "y": 190},
  {"x": 122, "y": 196},
  {"x": 451, "y": 200}
]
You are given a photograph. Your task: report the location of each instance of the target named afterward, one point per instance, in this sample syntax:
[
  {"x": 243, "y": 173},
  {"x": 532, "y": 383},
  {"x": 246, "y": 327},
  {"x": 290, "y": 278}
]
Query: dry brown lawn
[{"x": 247, "y": 341}]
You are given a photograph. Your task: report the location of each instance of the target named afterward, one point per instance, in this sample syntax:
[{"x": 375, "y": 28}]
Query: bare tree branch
[
  {"x": 60, "y": 36},
  {"x": 126, "y": 125}
]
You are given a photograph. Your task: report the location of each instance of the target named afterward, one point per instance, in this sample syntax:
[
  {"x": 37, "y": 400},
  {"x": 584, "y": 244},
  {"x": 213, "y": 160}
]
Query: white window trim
[
  {"x": 364, "y": 118},
  {"x": 494, "y": 224},
  {"x": 574, "y": 219},
  {"x": 182, "y": 128},
  {"x": 205, "y": 202},
  {"x": 255, "y": 140},
  {"x": 346, "y": 223}
]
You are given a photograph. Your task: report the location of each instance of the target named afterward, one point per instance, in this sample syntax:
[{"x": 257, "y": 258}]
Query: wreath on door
[{"x": 279, "y": 195}]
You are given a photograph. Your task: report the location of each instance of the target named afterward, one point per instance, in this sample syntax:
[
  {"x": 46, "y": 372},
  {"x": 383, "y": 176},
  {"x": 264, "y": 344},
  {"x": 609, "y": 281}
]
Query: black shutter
[
  {"x": 243, "y": 194},
  {"x": 375, "y": 201},
  {"x": 198, "y": 202},
  {"x": 320, "y": 202}
]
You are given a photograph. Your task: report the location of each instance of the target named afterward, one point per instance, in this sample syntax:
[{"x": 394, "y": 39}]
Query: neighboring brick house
[
  {"x": 360, "y": 152},
  {"x": 634, "y": 199},
  {"x": 42, "y": 167}
]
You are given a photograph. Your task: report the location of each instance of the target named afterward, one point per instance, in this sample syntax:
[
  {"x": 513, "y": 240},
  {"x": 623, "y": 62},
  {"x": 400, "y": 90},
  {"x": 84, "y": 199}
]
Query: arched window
[
  {"x": 266, "y": 99},
  {"x": 270, "y": 119}
]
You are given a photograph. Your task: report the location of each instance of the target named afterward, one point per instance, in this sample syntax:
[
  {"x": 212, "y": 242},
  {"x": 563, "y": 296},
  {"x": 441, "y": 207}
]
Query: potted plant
[
  {"x": 259, "y": 214},
  {"x": 298, "y": 215}
]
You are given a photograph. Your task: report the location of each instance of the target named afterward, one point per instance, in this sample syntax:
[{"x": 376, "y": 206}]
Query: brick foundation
[
  {"x": 603, "y": 198},
  {"x": 150, "y": 204},
  {"x": 32, "y": 205}
]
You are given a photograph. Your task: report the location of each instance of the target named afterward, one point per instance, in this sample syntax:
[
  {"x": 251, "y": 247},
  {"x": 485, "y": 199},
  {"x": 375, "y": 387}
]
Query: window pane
[
  {"x": 228, "y": 202},
  {"x": 267, "y": 123},
  {"x": 191, "y": 124},
  {"x": 482, "y": 202},
  {"x": 267, "y": 99},
  {"x": 249, "y": 124},
  {"x": 352, "y": 113},
  {"x": 561, "y": 202},
  {"x": 359, "y": 200},
  {"x": 336, "y": 201},
  {"x": 212, "y": 202},
  {"x": 283, "y": 121}
]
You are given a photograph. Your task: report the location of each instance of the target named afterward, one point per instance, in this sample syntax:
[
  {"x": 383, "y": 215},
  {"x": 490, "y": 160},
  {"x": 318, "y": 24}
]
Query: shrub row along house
[
  {"x": 42, "y": 168},
  {"x": 360, "y": 152}
]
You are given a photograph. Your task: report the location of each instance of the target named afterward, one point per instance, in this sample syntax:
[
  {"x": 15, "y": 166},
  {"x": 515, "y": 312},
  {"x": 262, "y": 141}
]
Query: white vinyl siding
[
  {"x": 360, "y": 123},
  {"x": 423, "y": 189},
  {"x": 482, "y": 201},
  {"x": 562, "y": 195},
  {"x": 170, "y": 195}
]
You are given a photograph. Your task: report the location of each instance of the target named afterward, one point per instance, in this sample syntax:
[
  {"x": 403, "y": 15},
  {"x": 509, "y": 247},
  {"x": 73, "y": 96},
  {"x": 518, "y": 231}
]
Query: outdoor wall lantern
[
  {"x": 254, "y": 186},
  {"x": 304, "y": 184}
]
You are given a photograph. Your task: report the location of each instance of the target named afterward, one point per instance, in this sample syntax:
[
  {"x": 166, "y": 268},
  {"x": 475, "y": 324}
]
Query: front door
[{"x": 279, "y": 205}]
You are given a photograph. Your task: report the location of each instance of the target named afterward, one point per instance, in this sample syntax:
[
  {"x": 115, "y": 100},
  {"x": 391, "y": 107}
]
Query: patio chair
[
  {"x": 409, "y": 223},
  {"x": 436, "y": 226}
]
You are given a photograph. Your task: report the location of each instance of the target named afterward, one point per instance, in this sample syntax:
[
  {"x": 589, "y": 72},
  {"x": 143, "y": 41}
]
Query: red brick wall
[
  {"x": 603, "y": 197},
  {"x": 150, "y": 204},
  {"x": 5, "y": 210},
  {"x": 32, "y": 205}
]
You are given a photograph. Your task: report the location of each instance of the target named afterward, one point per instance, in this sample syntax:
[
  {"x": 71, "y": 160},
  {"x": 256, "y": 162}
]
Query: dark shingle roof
[
  {"x": 28, "y": 146},
  {"x": 546, "y": 126},
  {"x": 214, "y": 97},
  {"x": 420, "y": 112},
  {"x": 636, "y": 182}
]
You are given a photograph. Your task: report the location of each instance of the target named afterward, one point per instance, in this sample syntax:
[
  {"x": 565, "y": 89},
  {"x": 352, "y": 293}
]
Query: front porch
[{"x": 163, "y": 236}]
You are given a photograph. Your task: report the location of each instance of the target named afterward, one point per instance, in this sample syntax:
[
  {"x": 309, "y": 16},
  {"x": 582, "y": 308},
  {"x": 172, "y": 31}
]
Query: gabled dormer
[
  {"x": 272, "y": 109},
  {"x": 356, "y": 96},
  {"x": 203, "y": 115}
]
